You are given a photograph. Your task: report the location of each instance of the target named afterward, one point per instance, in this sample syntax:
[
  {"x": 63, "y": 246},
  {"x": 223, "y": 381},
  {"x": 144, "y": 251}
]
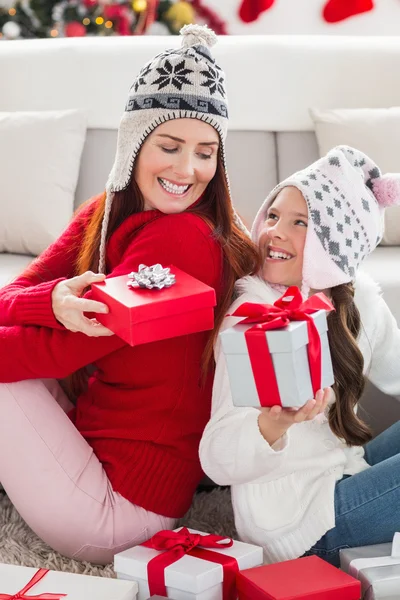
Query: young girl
[
  {"x": 311, "y": 481},
  {"x": 124, "y": 463}
]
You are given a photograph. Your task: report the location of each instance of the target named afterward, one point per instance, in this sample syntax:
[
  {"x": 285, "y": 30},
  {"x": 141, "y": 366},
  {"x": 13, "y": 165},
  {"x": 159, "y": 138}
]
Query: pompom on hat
[
  {"x": 179, "y": 83},
  {"x": 386, "y": 189},
  {"x": 346, "y": 195}
]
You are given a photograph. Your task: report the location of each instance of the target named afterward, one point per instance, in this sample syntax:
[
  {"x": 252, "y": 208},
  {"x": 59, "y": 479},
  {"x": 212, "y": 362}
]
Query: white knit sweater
[{"x": 283, "y": 496}]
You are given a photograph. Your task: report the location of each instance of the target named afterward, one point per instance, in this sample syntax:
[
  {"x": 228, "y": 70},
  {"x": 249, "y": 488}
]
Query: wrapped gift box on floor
[
  {"x": 25, "y": 582},
  {"x": 271, "y": 366},
  {"x": 308, "y": 578},
  {"x": 377, "y": 567},
  {"x": 189, "y": 578},
  {"x": 140, "y": 315}
]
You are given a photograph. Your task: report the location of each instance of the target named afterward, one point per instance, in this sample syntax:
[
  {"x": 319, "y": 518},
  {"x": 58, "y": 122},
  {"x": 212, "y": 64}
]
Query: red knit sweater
[{"x": 145, "y": 408}]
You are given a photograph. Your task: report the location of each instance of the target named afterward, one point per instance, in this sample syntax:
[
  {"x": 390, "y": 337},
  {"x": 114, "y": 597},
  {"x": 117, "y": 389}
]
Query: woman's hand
[
  {"x": 275, "y": 421},
  {"x": 68, "y": 306}
]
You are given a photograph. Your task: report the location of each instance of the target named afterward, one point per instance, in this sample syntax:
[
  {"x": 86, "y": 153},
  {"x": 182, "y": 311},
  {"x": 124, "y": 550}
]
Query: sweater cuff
[
  {"x": 36, "y": 309},
  {"x": 281, "y": 443},
  {"x": 262, "y": 448}
]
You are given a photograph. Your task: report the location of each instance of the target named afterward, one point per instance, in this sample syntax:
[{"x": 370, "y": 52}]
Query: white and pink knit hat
[{"x": 346, "y": 195}]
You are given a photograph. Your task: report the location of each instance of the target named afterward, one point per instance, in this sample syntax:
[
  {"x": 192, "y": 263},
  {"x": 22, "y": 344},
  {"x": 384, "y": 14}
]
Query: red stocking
[
  {"x": 250, "y": 10},
  {"x": 339, "y": 10}
]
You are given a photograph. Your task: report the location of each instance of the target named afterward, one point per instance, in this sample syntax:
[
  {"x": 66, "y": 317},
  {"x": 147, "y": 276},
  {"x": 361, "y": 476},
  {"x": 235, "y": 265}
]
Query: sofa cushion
[
  {"x": 375, "y": 131},
  {"x": 12, "y": 265},
  {"x": 40, "y": 154},
  {"x": 383, "y": 266}
]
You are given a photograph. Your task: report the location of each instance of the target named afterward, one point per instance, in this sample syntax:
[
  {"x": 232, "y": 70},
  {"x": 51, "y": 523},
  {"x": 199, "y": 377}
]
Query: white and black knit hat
[
  {"x": 181, "y": 83},
  {"x": 346, "y": 195}
]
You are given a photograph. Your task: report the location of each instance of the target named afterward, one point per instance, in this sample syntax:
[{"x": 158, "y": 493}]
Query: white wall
[{"x": 305, "y": 17}]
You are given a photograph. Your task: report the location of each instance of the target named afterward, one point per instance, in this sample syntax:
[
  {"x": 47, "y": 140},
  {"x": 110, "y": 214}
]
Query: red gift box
[
  {"x": 308, "y": 578},
  {"x": 139, "y": 315}
]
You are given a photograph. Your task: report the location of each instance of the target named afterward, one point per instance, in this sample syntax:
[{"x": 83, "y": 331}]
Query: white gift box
[
  {"x": 377, "y": 567},
  {"x": 189, "y": 578},
  {"x": 288, "y": 349},
  {"x": 75, "y": 587}
]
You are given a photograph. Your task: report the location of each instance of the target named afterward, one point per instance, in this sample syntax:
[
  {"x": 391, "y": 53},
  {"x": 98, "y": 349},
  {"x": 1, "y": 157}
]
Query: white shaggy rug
[{"x": 210, "y": 512}]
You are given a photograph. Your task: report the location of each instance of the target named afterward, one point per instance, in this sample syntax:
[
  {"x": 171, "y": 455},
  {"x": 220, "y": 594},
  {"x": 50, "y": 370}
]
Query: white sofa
[{"x": 272, "y": 83}]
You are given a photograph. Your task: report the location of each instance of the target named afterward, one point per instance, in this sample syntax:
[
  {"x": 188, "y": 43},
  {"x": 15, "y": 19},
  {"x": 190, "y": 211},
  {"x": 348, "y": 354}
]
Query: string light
[
  {"x": 54, "y": 32},
  {"x": 86, "y": 21},
  {"x": 99, "y": 21},
  {"x": 12, "y": 12},
  {"x": 108, "y": 24},
  {"x": 139, "y": 5}
]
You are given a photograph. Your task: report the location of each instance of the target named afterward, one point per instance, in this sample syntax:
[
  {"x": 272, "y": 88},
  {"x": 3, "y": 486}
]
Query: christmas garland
[{"x": 78, "y": 18}]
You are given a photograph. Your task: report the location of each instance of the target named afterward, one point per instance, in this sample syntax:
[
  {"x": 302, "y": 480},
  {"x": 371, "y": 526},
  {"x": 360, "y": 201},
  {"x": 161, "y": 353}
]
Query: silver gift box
[
  {"x": 378, "y": 581},
  {"x": 288, "y": 347}
]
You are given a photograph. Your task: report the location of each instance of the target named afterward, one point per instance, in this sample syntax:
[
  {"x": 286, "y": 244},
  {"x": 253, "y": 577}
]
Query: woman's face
[
  {"x": 176, "y": 163},
  {"x": 282, "y": 238}
]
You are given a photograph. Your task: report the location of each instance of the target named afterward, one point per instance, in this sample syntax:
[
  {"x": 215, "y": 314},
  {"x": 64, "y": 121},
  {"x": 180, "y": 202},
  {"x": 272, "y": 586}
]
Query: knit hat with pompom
[
  {"x": 178, "y": 83},
  {"x": 346, "y": 195}
]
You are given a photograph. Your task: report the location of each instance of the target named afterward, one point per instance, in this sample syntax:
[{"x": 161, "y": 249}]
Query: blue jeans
[{"x": 367, "y": 505}]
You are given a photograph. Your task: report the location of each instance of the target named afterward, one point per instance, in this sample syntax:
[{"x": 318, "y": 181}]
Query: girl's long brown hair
[
  {"x": 344, "y": 328},
  {"x": 240, "y": 255}
]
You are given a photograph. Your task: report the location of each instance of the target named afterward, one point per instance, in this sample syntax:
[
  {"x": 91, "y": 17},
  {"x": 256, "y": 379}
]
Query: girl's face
[
  {"x": 176, "y": 163},
  {"x": 283, "y": 237}
]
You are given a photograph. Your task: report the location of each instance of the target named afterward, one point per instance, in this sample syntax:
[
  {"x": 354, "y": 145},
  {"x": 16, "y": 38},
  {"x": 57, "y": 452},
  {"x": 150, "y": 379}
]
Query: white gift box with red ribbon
[
  {"x": 288, "y": 350},
  {"x": 188, "y": 577},
  {"x": 25, "y": 582},
  {"x": 279, "y": 353}
]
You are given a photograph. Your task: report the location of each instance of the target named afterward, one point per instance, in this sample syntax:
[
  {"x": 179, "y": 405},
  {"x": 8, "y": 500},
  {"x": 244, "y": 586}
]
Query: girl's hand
[
  {"x": 68, "y": 306},
  {"x": 275, "y": 421}
]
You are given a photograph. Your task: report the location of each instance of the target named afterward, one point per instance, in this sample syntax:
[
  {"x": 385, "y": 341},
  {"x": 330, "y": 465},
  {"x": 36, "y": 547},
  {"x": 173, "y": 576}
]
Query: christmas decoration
[
  {"x": 339, "y": 10},
  {"x": 180, "y": 14},
  {"x": 75, "y": 29},
  {"x": 250, "y": 10},
  {"x": 78, "y": 18},
  {"x": 333, "y": 11},
  {"x": 11, "y": 30},
  {"x": 209, "y": 17}
]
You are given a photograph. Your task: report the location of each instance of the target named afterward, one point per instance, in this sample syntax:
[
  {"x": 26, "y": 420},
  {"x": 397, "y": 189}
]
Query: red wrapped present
[
  {"x": 154, "y": 304},
  {"x": 308, "y": 578}
]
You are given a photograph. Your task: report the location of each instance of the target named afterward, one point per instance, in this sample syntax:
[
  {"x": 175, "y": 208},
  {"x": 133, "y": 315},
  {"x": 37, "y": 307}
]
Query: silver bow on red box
[{"x": 155, "y": 277}]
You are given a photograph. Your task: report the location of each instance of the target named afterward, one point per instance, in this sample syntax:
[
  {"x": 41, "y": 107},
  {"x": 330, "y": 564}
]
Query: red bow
[
  {"x": 290, "y": 307},
  {"x": 22, "y": 595},
  {"x": 175, "y": 544}
]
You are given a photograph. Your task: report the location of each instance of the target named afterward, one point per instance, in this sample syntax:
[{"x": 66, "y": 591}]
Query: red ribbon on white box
[
  {"x": 172, "y": 545},
  {"x": 266, "y": 317},
  {"x": 22, "y": 595}
]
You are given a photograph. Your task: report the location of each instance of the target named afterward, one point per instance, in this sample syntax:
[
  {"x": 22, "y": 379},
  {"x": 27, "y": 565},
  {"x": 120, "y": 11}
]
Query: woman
[{"x": 124, "y": 463}]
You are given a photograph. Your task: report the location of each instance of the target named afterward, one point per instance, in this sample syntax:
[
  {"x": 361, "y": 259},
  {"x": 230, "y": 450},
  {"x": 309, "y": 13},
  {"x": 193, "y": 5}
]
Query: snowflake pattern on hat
[{"x": 182, "y": 79}]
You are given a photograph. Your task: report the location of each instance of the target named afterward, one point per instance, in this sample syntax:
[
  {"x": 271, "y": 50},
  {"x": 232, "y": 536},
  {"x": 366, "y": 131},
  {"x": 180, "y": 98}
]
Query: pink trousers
[{"x": 56, "y": 482}]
